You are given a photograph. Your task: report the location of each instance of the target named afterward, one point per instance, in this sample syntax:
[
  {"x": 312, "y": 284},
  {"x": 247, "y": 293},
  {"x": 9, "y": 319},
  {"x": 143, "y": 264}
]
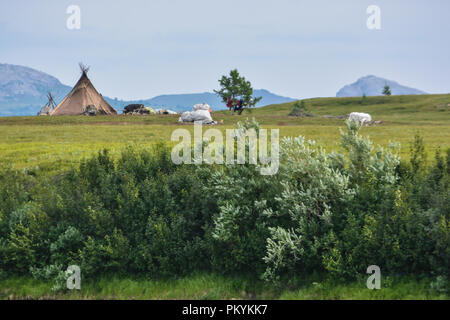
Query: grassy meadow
[
  {"x": 54, "y": 143},
  {"x": 216, "y": 287}
]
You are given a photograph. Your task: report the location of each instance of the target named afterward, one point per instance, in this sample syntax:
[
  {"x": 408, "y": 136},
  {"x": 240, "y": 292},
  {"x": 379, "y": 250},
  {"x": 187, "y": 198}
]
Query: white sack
[
  {"x": 360, "y": 117},
  {"x": 201, "y": 106},
  {"x": 200, "y": 115}
]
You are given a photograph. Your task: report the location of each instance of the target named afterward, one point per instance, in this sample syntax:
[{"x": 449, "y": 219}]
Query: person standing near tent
[
  {"x": 229, "y": 103},
  {"x": 238, "y": 105},
  {"x": 241, "y": 104}
]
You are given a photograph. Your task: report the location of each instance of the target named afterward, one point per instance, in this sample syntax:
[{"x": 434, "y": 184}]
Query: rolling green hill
[{"x": 393, "y": 109}]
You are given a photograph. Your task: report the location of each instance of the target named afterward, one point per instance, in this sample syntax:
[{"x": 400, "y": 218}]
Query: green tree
[
  {"x": 236, "y": 92},
  {"x": 387, "y": 90},
  {"x": 299, "y": 109},
  {"x": 364, "y": 99}
]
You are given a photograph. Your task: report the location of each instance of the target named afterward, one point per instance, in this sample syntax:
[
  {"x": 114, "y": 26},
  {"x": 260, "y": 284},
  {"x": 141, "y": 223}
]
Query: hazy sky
[{"x": 139, "y": 49}]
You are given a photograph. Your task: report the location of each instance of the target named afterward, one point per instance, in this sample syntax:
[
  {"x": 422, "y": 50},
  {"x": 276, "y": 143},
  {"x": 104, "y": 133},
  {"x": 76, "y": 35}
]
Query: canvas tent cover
[
  {"x": 49, "y": 107},
  {"x": 45, "y": 111},
  {"x": 82, "y": 95}
]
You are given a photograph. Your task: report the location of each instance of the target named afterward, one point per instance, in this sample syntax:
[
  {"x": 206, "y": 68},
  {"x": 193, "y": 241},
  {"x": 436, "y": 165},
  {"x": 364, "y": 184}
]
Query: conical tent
[
  {"x": 49, "y": 107},
  {"x": 83, "y": 95}
]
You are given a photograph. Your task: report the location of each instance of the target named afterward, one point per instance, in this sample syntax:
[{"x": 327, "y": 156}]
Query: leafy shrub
[
  {"x": 52, "y": 272},
  {"x": 65, "y": 248},
  {"x": 333, "y": 213},
  {"x": 27, "y": 237},
  {"x": 441, "y": 285}
]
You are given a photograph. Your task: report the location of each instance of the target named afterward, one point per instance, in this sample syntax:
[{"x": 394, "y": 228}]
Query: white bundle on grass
[
  {"x": 200, "y": 115},
  {"x": 360, "y": 117},
  {"x": 201, "y": 106}
]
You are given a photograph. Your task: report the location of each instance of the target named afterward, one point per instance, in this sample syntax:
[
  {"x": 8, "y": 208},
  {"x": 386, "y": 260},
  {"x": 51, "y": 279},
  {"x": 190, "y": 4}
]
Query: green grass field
[
  {"x": 214, "y": 287},
  {"x": 54, "y": 143}
]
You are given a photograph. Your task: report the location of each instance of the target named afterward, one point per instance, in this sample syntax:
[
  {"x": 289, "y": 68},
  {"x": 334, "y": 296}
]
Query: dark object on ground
[
  {"x": 301, "y": 115},
  {"x": 91, "y": 110},
  {"x": 138, "y": 109},
  {"x": 131, "y": 108}
]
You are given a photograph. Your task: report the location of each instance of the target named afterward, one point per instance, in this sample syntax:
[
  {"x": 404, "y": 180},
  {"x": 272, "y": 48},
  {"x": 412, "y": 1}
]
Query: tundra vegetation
[
  {"x": 387, "y": 90},
  {"x": 140, "y": 226},
  {"x": 329, "y": 213}
]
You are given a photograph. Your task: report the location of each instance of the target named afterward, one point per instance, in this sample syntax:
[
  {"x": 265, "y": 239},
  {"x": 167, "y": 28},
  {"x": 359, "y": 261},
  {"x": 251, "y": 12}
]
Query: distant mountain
[
  {"x": 23, "y": 91},
  {"x": 373, "y": 86}
]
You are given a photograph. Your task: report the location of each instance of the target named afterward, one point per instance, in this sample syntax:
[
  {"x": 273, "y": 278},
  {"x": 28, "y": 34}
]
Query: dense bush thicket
[{"x": 336, "y": 213}]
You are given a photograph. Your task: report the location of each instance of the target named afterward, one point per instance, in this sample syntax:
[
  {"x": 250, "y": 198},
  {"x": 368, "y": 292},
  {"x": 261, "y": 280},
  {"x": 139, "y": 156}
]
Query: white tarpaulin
[
  {"x": 165, "y": 111},
  {"x": 360, "y": 117},
  {"x": 200, "y": 113}
]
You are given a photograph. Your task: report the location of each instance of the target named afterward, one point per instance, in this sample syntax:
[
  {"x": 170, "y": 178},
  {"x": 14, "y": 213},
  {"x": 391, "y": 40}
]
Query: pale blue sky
[{"x": 139, "y": 49}]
